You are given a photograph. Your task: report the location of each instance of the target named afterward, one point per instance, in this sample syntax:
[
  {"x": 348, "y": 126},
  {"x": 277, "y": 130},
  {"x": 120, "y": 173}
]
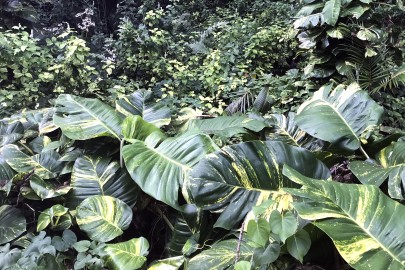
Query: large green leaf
[
  {"x": 10, "y": 133},
  {"x": 365, "y": 225},
  {"x": 237, "y": 177},
  {"x": 134, "y": 127},
  {"x": 172, "y": 263},
  {"x": 161, "y": 170},
  {"x": 95, "y": 175},
  {"x": 331, "y": 11},
  {"x": 46, "y": 165},
  {"x": 128, "y": 255},
  {"x": 141, "y": 103},
  {"x": 6, "y": 176},
  {"x": 84, "y": 118},
  {"x": 391, "y": 165},
  {"x": 46, "y": 189},
  {"x": 12, "y": 223},
  {"x": 226, "y": 126},
  {"x": 103, "y": 218},
  {"x": 220, "y": 256},
  {"x": 340, "y": 116}
]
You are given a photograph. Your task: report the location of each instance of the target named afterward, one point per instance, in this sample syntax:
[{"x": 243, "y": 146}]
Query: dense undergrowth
[{"x": 202, "y": 134}]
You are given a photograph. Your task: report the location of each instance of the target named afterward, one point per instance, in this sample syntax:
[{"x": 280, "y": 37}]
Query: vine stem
[
  {"x": 121, "y": 157},
  {"x": 164, "y": 217},
  {"x": 364, "y": 153},
  {"x": 239, "y": 242}
]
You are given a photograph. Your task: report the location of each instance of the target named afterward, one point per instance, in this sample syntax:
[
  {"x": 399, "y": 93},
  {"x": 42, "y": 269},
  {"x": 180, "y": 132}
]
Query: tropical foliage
[{"x": 202, "y": 135}]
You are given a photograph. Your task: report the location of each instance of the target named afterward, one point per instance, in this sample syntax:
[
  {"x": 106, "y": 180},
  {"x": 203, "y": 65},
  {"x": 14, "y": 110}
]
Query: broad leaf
[
  {"x": 162, "y": 170},
  {"x": 365, "y": 225},
  {"x": 391, "y": 165},
  {"x": 258, "y": 231},
  {"x": 226, "y": 126},
  {"x": 173, "y": 263},
  {"x": 10, "y": 133},
  {"x": 47, "y": 189},
  {"x": 141, "y": 103},
  {"x": 298, "y": 245},
  {"x": 340, "y": 116},
  {"x": 331, "y": 11},
  {"x": 284, "y": 225},
  {"x": 12, "y": 223},
  {"x": 92, "y": 175},
  {"x": 6, "y": 176},
  {"x": 84, "y": 118},
  {"x": 103, "y": 218},
  {"x": 46, "y": 165},
  {"x": 128, "y": 255},
  {"x": 220, "y": 256},
  {"x": 237, "y": 177},
  {"x": 309, "y": 21},
  {"x": 134, "y": 127}
]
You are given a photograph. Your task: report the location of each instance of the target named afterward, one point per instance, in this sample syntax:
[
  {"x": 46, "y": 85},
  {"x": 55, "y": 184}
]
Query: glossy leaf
[
  {"x": 128, "y": 255},
  {"x": 95, "y": 175},
  {"x": 84, "y": 118},
  {"x": 235, "y": 178},
  {"x": 331, "y": 11},
  {"x": 161, "y": 170},
  {"x": 46, "y": 165},
  {"x": 391, "y": 165},
  {"x": 172, "y": 263},
  {"x": 226, "y": 126},
  {"x": 47, "y": 189},
  {"x": 339, "y": 116},
  {"x": 10, "y": 133},
  {"x": 365, "y": 225},
  {"x": 103, "y": 218},
  {"x": 134, "y": 127},
  {"x": 141, "y": 103},
  {"x": 12, "y": 223},
  {"x": 220, "y": 256}
]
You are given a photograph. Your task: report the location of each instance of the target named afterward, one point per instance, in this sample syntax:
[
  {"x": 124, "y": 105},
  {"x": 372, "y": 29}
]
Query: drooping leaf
[
  {"x": 226, "y": 126},
  {"x": 10, "y": 133},
  {"x": 12, "y": 223},
  {"x": 6, "y": 176},
  {"x": 331, "y": 11},
  {"x": 161, "y": 170},
  {"x": 46, "y": 189},
  {"x": 268, "y": 254},
  {"x": 298, "y": 244},
  {"x": 220, "y": 256},
  {"x": 84, "y": 118},
  {"x": 46, "y": 165},
  {"x": 309, "y": 21},
  {"x": 103, "y": 218},
  {"x": 141, "y": 103},
  {"x": 340, "y": 116},
  {"x": 129, "y": 255},
  {"x": 237, "y": 177},
  {"x": 391, "y": 165},
  {"x": 95, "y": 175},
  {"x": 365, "y": 225},
  {"x": 134, "y": 127}
]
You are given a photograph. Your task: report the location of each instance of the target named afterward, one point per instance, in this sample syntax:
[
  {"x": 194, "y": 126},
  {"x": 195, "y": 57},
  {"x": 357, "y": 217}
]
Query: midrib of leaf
[
  {"x": 154, "y": 150},
  {"x": 97, "y": 119},
  {"x": 103, "y": 218}
]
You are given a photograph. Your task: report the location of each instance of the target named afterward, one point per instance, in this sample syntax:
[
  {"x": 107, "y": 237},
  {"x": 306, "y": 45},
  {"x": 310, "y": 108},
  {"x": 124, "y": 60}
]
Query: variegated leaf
[
  {"x": 161, "y": 170},
  {"x": 141, "y": 103},
  {"x": 46, "y": 165},
  {"x": 103, "y": 218},
  {"x": 172, "y": 263},
  {"x": 221, "y": 256},
  {"x": 129, "y": 255},
  {"x": 95, "y": 175},
  {"x": 339, "y": 116},
  {"x": 12, "y": 223},
  {"x": 237, "y": 177},
  {"x": 84, "y": 118},
  {"x": 46, "y": 189},
  {"x": 134, "y": 127},
  {"x": 391, "y": 165},
  {"x": 226, "y": 126},
  {"x": 10, "y": 133},
  {"x": 365, "y": 225}
]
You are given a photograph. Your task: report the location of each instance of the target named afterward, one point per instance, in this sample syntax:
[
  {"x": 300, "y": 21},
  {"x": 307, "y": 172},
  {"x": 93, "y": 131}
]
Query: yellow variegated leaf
[
  {"x": 365, "y": 225},
  {"x": 103, "y": 218},
  {"x": 12, "y": 223},
  {"x": 129, "y": 255}
]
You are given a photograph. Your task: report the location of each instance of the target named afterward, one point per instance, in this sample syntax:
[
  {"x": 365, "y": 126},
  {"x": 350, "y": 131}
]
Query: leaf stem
[
  {"x": 121, "y": 157},
  {"x": 364, "y": 153},
  {"x": 163, "y": 217},
  {"x": 239, "y": 242},
  {"x": 26, "y": 148}
]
